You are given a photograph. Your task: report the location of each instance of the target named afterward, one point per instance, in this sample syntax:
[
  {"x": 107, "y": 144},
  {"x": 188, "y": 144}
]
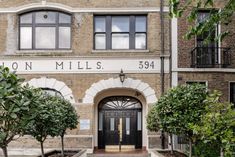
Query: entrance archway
[{"x": 119, "y": 122}]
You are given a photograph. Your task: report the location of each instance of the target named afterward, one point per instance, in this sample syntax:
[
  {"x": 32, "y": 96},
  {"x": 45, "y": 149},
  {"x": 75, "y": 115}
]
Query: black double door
[{"x": 120, "y": 128}]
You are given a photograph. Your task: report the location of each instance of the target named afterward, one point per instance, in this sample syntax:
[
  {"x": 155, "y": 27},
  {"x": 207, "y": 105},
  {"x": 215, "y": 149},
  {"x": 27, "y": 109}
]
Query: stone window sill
[
  {"x": 42, "y": 52},
  {"x": 120, "y": 51}
]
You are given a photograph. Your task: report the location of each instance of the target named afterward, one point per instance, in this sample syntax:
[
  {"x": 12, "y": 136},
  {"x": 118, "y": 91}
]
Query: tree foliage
[
  {"x": 178, "y": 109},
  {"x": 15, "y": 103},
  {"x": 217, "y": 16},
  {"x": 67, "y": 120},
  {"x": 46, "y": 118},
  {"x": 217, "y": 124},
  {"x": 52, "y": 117},
  {"x": 153, "y": 122}
]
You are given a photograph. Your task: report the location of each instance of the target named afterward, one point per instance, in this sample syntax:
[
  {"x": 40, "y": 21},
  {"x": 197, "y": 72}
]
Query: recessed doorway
[{"x": 119, "y": 123}]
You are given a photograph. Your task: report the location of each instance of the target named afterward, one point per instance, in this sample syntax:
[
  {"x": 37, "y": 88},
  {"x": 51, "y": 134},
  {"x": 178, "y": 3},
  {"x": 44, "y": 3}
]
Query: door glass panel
[
  {"x": 100, "y": 121},
  {"x": 128, "y": 126},
  {"x": 111, "y": 124},
  {"x": 139, "y": 126}
]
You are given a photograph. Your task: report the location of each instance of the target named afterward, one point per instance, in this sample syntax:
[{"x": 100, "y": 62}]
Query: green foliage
[
  {"x": 15, "y": 104},
  {"x": 153, "y": 122},
  {"x": 202, "y": 149},
  {"x": 177, "y": 110},
  {"x": 12, "y": 103},
  {"x": 223, "y": 16},
  {"x": 180, "y": 107},
  {"x": 25, "y": 110},
  {"x": 68, "y": 118},
  {"x": 52, "y": 116},
  {"x": 46, "y": 117},
  {"x": 217, "y": 124}
]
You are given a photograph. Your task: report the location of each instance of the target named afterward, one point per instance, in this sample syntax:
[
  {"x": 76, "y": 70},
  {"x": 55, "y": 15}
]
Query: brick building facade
[{"x": 78, "y": 49}]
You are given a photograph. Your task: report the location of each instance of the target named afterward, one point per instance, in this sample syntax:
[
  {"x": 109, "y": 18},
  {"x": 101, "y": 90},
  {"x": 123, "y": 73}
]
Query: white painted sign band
[{"x": 81, "y": 65}]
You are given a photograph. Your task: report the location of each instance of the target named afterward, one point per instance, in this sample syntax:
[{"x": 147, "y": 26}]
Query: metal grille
[{"x": 120, "y": 102}]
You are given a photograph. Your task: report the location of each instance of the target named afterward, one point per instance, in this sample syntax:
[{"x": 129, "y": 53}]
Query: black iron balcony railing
[{"x": 210, "y": 57}]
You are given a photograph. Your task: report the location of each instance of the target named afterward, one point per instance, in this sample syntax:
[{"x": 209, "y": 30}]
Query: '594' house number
[{"x": 146, "y": 64}]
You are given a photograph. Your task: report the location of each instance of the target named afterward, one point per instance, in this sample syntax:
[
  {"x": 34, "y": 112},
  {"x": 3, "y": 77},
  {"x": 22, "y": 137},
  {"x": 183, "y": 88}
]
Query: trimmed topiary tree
[
  {"x": 15, "y": 103},
  {"x": 178, "y": 109},
  {"x": 67, "y": 120},
  {"x": 46, "y": 118}
]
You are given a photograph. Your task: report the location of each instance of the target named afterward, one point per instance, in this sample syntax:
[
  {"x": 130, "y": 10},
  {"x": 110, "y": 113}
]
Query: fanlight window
[
  {"x": 120, "y": 102},
  {"x": 52, "y": 92},
  {"x": 45, "y": 30}
]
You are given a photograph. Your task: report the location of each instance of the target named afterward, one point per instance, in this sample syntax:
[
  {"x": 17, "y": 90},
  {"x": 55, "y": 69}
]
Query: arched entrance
[{"x": 119, "y": 122}]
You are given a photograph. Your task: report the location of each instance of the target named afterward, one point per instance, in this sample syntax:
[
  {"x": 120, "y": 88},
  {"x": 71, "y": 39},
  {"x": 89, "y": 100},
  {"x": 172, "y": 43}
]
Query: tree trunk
[
  {"x": 221, "y": 152},
  {"x": 4, "y": 149},
  {"x": 62, "y": 145},
  {"x": 171, "y": 140},
  {"x": 190, "y": 147},
  {"x": 42, "y": 149}
]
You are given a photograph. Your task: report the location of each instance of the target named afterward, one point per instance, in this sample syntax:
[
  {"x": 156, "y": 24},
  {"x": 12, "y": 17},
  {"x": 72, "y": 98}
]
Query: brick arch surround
[
  {"x": 112, "y": 83},
  {"x": 53, "y": 84}
]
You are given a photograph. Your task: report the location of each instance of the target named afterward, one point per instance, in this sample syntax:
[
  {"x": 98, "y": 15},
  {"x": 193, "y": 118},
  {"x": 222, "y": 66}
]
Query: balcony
[{"x": 210, "y": 57}]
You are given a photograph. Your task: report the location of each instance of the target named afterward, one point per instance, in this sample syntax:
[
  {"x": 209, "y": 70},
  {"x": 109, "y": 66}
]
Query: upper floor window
[
  {"x": 203, "y": 15},
  {"x": 42, "y": 30},
  {"x": 120, "y": 32},
  {"x": 207, "y": 53}
]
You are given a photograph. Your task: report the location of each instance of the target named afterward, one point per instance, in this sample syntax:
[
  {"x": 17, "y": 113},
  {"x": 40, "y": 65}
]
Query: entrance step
[
  {"x": 134, "y": 153},
  {"x": 116, "y": 148}
]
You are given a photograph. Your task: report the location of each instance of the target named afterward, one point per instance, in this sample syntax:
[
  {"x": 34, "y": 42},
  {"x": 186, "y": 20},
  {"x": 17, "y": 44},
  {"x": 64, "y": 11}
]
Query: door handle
[{"x": 120, "y": 129}]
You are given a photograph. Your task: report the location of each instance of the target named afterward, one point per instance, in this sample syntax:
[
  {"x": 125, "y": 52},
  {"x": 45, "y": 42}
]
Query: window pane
[
  {"x": 196, "y": 82},
  {"x": 202, "y": 16},
  {"x": 52, "y": 92},
  {"x": 139, "y": 123},
  {"x": 120, "y": 41},
  {"x": 111, "y": 124},
  {"x": 45, "y": 17},
  {"x": 128, "y": 126},
  {"x": 140, "y": 25},
  {"x": 100, "y": 121},
  {"x": 64, "y": 37},
  {"x": 26, "y": 18},
  {"x": 140, "y": 41},
  {"x": 100, "y": 41},
  {"x": 45, "y": 37},
  {"x": 120, "y": 24},
  {"x": 64, "y": 18},
  {"x": 100, "y": 24},
  {"x": 26, "y": 37}
]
